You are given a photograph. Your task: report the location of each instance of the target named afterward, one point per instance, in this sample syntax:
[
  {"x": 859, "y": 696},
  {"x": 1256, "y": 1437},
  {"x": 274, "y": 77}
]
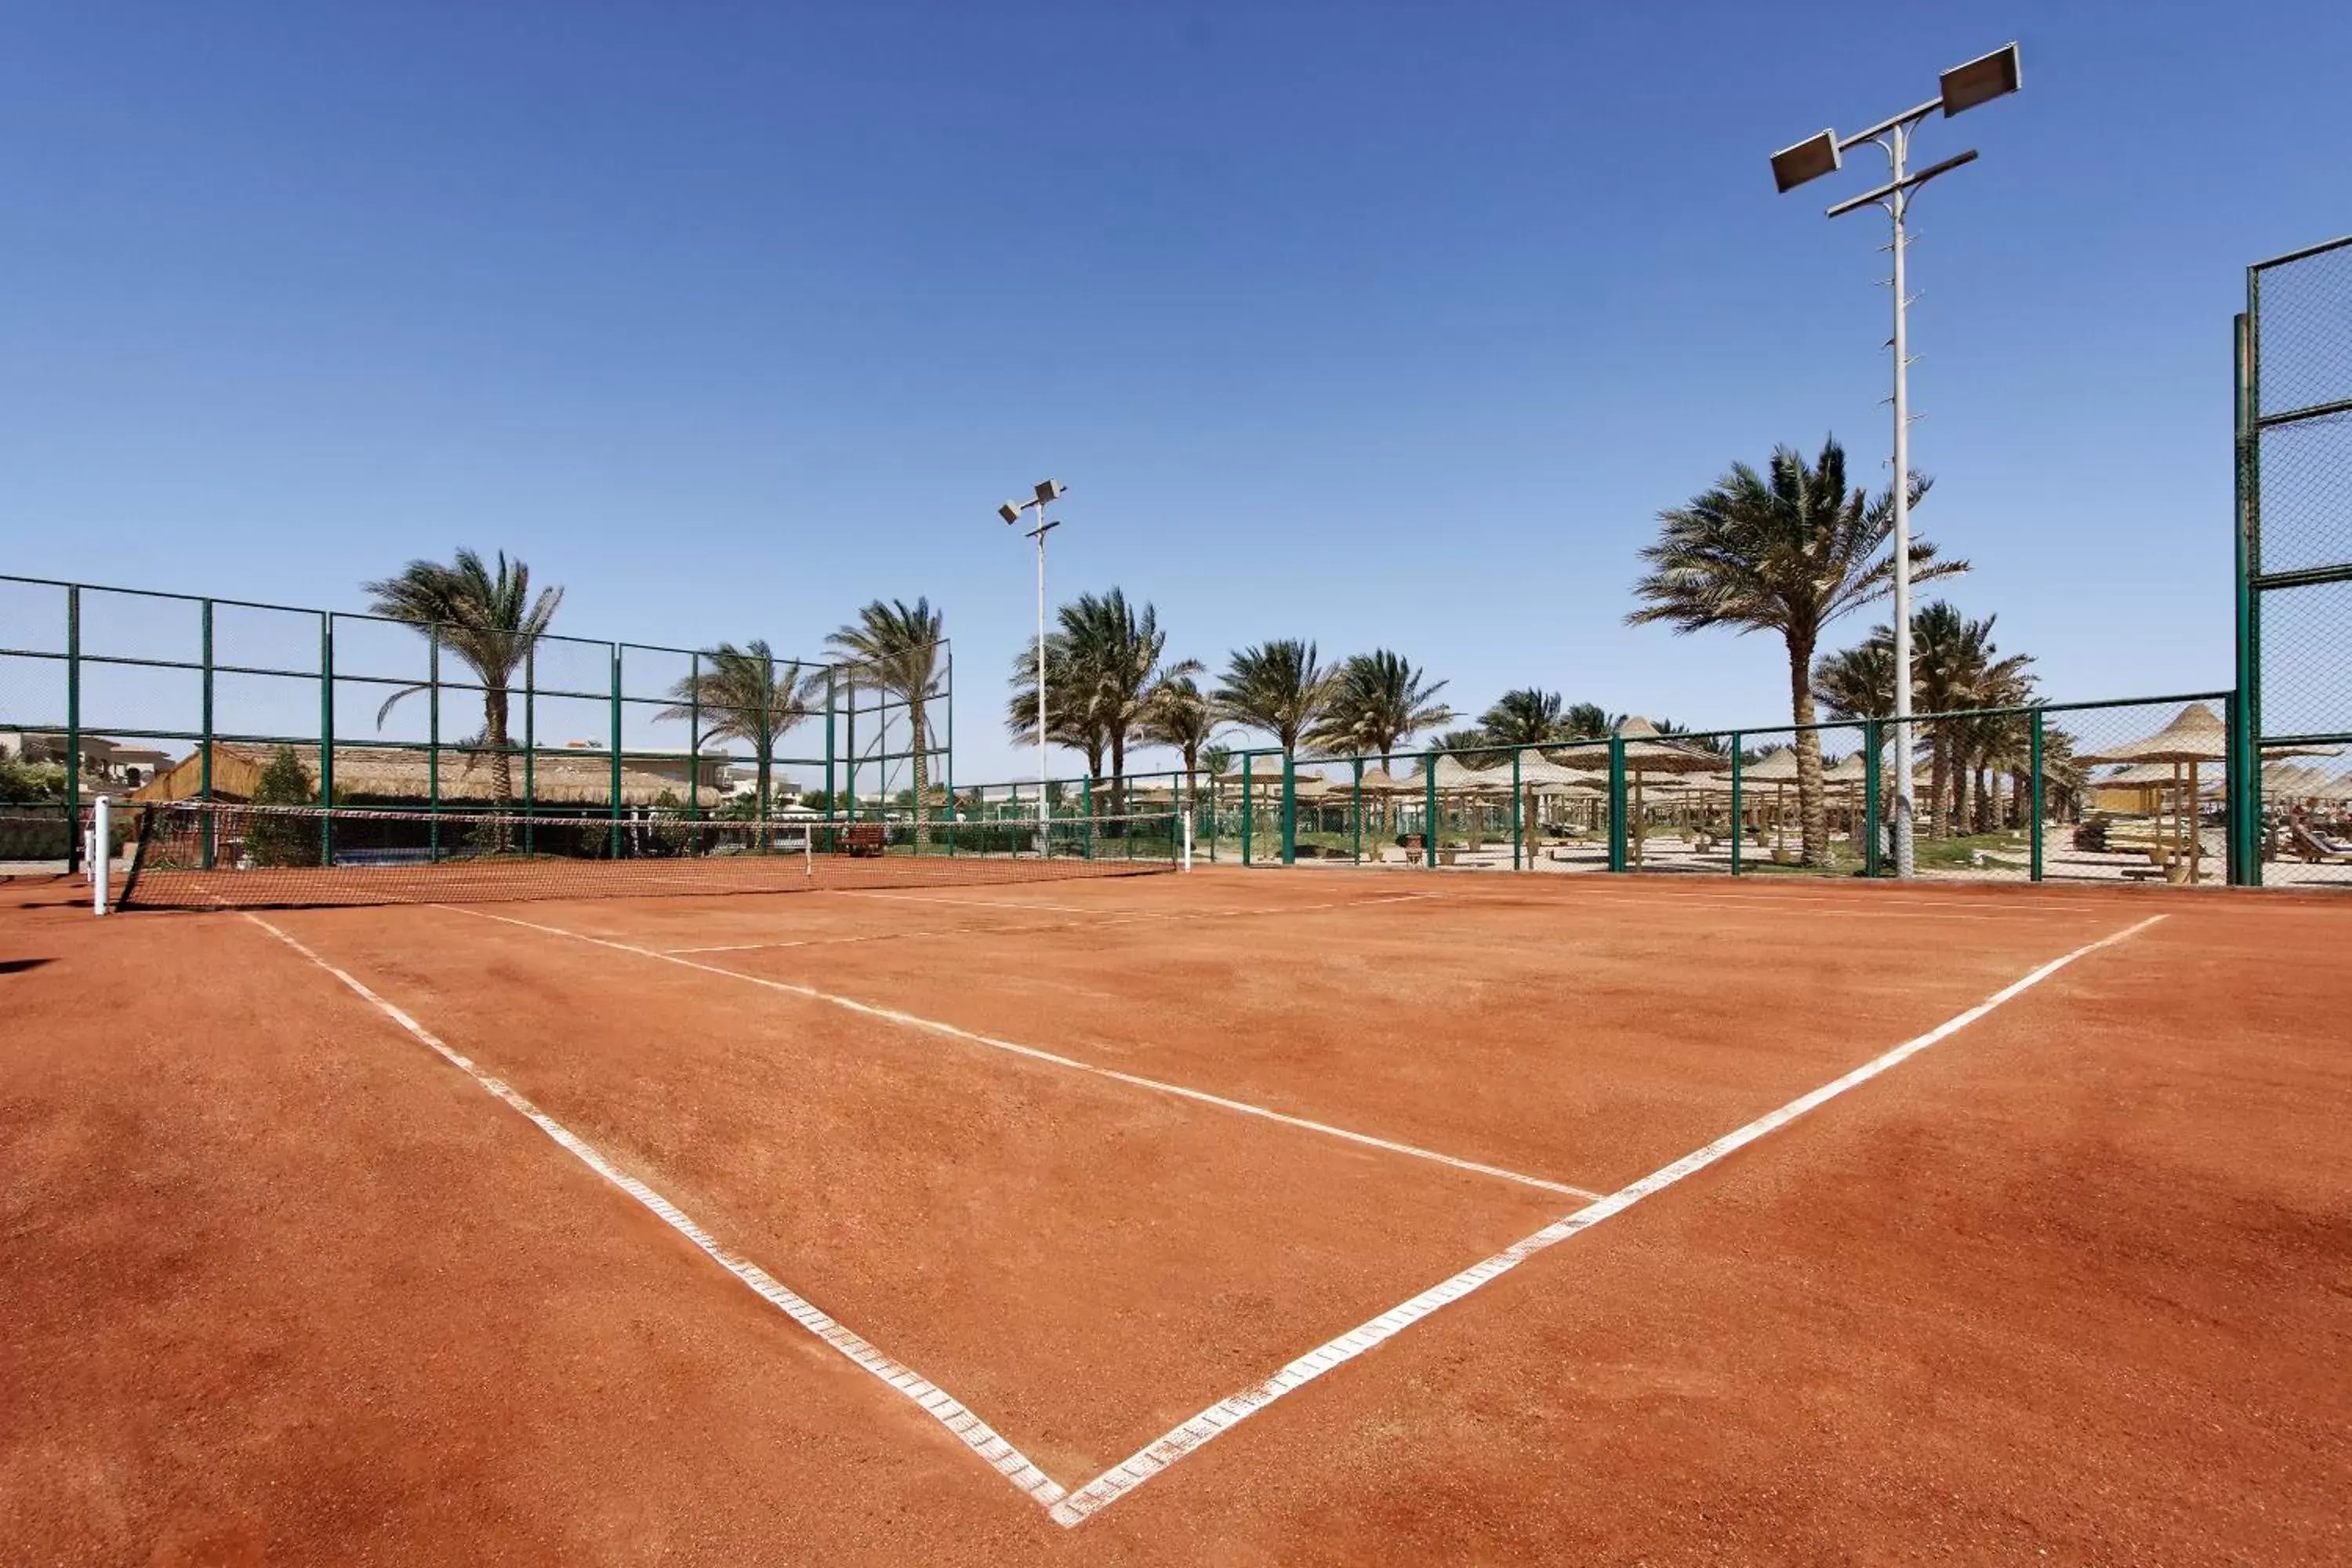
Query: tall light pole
[
  {"x": 1048, "y": 491},
  {"x": 1962, "y": 88}
]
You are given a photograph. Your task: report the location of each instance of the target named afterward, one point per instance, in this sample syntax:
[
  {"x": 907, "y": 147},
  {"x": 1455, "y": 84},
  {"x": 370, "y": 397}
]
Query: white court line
[
  {"x": 1236, "y": 912},
  {"x": 933, "y": 1026},
  {"x": 935, "y": 1402},
  {"x": 1222, "y": 1416}
]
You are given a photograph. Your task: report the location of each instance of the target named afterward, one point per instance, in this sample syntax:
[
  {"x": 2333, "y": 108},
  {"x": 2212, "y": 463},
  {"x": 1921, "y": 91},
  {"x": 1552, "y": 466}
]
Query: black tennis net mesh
[{"x": 217, "y": 854}]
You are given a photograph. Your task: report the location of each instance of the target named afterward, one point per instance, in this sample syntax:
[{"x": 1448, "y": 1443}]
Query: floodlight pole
[
  {"x": 1046, "y": 493},
  {"x": 1044, "y": 810},
  {"x": 1897, "y": 143},
  {"x": 1963, "y": 88}
]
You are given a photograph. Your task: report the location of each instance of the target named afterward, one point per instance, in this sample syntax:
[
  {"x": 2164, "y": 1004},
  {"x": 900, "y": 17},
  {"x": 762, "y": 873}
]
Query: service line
[
  {"x": 1223, "y": 1416},
  {"x": 933, "y": 1400},
  {"x": 972, "y": 1036}
]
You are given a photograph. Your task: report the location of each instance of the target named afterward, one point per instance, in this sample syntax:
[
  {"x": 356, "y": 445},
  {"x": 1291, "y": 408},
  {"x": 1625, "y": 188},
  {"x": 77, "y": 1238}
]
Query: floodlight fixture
[
  {"x": 1808, "y": 160},
  {"x": 1049, "y": 491},
  {"x": 1009, "y": 513},
  {"x": 1981, "y": 81}
]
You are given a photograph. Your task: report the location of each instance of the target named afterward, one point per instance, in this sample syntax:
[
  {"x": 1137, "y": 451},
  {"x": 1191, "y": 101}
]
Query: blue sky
[{"x": 1367, "y": 322}]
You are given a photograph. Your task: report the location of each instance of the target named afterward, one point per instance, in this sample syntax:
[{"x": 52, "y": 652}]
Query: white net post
[
  {"x": 1187, "y": 815},
  {"x": 102, "y": 852}
]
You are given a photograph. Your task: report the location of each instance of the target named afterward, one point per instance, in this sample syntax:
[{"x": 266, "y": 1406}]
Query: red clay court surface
[{"x": 1230, "y": 1218}]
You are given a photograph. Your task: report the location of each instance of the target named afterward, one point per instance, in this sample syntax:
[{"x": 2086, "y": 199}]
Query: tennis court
[{"x": 1233, "y": 1216}]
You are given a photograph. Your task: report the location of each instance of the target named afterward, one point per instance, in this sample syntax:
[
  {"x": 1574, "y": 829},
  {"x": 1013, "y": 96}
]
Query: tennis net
[{"x": 220, "y": 855}]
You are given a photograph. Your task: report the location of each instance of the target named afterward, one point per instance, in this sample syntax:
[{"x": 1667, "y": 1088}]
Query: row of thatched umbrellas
[{"x": 2195, "y": 736}]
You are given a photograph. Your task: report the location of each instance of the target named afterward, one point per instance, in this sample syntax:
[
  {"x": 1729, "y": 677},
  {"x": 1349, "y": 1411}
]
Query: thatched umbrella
[
  {"x": 1779, "y": 769},
  {"x": 1647, "y": 753},
  {"x": 2194, "y": 737}
]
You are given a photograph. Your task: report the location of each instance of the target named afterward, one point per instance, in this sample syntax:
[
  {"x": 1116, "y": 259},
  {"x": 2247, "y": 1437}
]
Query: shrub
[{"x": 274, "y": 840}]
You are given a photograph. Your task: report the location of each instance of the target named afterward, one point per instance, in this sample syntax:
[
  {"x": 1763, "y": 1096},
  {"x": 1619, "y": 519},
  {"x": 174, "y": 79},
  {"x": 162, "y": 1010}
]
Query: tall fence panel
[{"x": 2294, "y": 569}]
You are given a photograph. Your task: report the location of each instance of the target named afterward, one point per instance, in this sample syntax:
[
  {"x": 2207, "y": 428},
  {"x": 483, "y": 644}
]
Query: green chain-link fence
[{"x": 163, "y": 696}]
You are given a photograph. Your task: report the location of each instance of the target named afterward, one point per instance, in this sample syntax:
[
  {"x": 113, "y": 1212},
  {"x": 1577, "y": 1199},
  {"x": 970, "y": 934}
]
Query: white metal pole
[
  {"x": 1044, "y": 813},
  {"x": 1188, "y": 838},
  {"x": 1898, "y": 143},
  {"x": 101, "y": 860}
]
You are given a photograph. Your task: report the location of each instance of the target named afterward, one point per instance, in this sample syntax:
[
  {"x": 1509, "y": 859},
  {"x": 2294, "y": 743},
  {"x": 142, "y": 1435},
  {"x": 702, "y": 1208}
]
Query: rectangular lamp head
[
  {"x": 1981, "y": 81},
  {"x": 1049, "y": 489},
  {"x": 1808, "y": 160}
]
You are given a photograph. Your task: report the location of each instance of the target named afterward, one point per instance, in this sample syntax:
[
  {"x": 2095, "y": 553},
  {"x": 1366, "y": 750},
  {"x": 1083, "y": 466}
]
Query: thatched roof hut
[{"x": 384, "y": 775}]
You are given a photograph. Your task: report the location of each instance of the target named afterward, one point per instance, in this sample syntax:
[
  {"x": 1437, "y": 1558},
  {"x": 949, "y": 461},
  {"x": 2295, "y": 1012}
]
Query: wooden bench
[{"x": 860, "y": 839}]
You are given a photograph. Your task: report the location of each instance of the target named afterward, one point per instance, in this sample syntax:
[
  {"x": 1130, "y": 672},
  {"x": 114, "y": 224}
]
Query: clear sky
[{"x": 1373, "y": 323}]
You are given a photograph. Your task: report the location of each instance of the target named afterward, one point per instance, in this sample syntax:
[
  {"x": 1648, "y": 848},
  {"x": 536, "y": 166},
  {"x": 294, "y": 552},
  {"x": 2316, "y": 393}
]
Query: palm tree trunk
[
  {"x": 1812, "y": 808},
  {"x": 494, "y": 734},
  {"x": 1118, "y": 772}
]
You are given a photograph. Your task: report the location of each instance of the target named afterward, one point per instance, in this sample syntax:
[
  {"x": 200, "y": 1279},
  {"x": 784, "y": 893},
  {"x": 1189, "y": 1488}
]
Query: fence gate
[{"x": 2293, "y": 716}]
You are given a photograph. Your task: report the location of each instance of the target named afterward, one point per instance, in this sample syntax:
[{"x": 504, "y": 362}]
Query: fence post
[
  {"x": 2243, "y": 770},
  {"x": 1874, "y": 751},
  {"x": 694, "y": 738},
  {"x": 1517, "y": 826},
  {"x": 1738, "y": 826},
  {"x": 204, "y": 788},
  {"x": 326, "y": 737},
  {"x": 432, "y": 740},
  {"x": 529, "y": 748},
  {"x": 1290, "y": 810},
  {"x": 1429, "y": 811},
  {"x": 947, "y": 758},
  {"x": 615, "y": 722},
  {"x": 829, "y": 706},
  {"x": 1616, "y": 800},
  {"x": 1248, "y": 808},
  {"x": 73, "y": 728},
  {"x": 1355, "y": 807},
  {"x": 2033, "y": 793}
]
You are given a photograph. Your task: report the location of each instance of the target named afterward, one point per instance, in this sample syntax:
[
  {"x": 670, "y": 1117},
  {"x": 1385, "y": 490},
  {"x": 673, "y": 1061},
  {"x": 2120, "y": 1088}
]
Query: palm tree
[
  {"x": 1176, "y": 713},
  {"x": 487, "y": 618},
  {"x": 899, "y": 647},
  {"x": 1858, "y": 682},
  {"x": 1788, "y": 551},
  {"x": 743, "y": 694},
  {"x": 1379, "y": 700},
  {"x": 1073, "y": 716},
  {"x": 1583, "y": 721},
  {"x": 1524, "y": 717},
  {"x": 1953, "y": 668},
  {"x": 1473, "y": 747},
  {"x": 1276, "y": 687},
  {"x": 1216, "y": 761},
  {"x": 1115, "y": 651}
]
